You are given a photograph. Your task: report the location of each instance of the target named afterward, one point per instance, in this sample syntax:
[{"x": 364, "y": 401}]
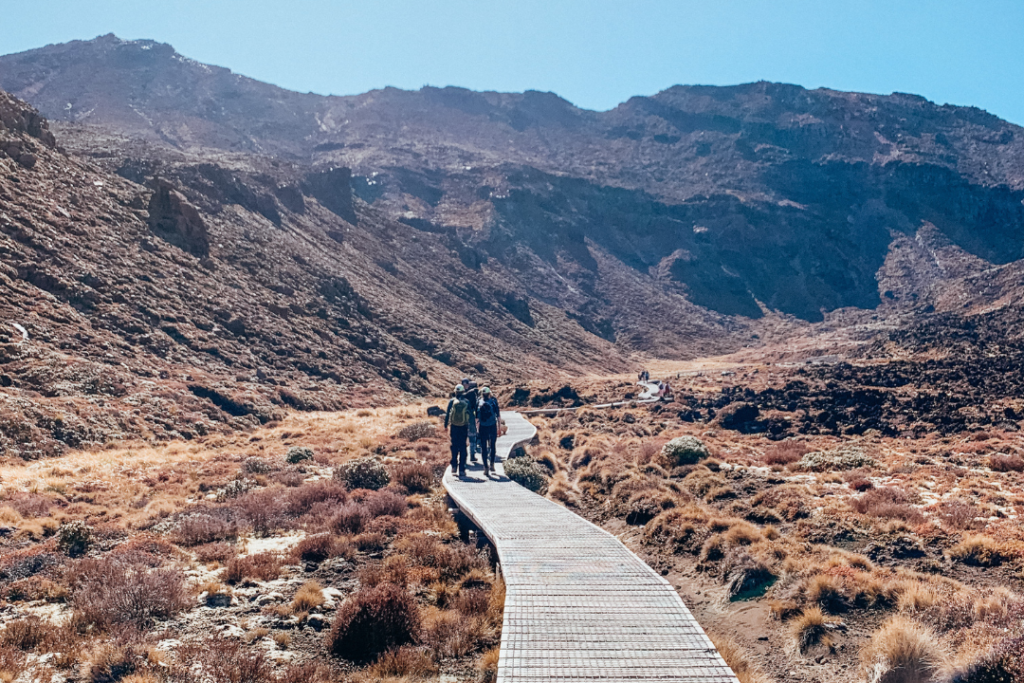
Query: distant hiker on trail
[
  {"x": 472, "y": 398},
  {"x": 458, "y": 416},
  {"x": 489, "y": 414}
]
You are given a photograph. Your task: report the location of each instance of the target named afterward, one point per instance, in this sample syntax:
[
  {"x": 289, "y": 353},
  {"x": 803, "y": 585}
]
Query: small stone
[{"x": 317, "y": 622}]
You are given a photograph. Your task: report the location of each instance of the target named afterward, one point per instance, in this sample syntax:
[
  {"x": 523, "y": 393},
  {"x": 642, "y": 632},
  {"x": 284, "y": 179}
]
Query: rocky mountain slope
[
  {"x": 213, "y": 297},
  {"x": 204, "y": 249},
  {"x": 753, "y": 200}
]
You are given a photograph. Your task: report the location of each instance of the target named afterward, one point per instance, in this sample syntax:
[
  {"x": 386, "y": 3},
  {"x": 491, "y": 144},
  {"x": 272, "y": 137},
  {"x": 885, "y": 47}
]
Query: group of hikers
[
  {"x": 664, "y": 390},
  {"x": 473, "y": 415}
]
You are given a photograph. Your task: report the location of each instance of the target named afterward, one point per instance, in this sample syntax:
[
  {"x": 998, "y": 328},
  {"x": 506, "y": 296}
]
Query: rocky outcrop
[
  {"x": 176, "y": 221},
  {"x": 332, "y": 187}
]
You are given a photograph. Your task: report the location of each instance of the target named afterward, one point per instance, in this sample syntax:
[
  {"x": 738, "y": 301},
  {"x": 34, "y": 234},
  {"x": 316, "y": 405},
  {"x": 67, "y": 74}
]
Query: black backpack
[{"x": 486, "y": 412}]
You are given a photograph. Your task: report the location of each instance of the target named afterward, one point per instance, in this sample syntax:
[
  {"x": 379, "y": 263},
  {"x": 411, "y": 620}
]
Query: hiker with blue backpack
[
  {"x": 489, "y": 414},
  {"x": 457, "y": 417}
]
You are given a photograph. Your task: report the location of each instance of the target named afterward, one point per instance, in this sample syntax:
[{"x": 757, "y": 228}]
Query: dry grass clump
[
  {"x": 979, "y": 551},
  {"x": 309, "y": 595},
  {"x": 372, "y": 621},
  {"x": 902, "y": 651},
  {"x": 812, "y": 628},
  {"x": 488, "y": 665},
  {"x": 738, "y": 660},
  {"x": 259, "y": 566},
  {"x": 406, "y": 662}
]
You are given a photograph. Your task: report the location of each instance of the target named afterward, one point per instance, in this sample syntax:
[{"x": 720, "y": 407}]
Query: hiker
[
  {"x": 490, "y": 415},
  {"x": 458, "y": 416},
  {"x": 473, "y": 399}
]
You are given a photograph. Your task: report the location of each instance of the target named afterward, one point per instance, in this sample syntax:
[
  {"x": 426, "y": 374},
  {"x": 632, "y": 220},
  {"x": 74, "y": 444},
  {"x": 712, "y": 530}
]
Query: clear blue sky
[{"x": 595, "y": 53}]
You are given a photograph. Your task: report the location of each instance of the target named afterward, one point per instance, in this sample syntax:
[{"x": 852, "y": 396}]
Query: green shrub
[
  {"x": 298, "y": 454},
  {"x": 685, "y": 450},
  {"x": 74, "y": 538},
  {"x": 525, "y": 472},
  {"x": 364, "y": 473},
  {"x": 417, "y": 430},
  {"x": 845, "y": 458}
]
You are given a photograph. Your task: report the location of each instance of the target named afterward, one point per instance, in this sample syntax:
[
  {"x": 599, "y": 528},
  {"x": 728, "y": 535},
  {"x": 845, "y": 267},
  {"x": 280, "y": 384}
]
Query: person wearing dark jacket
[
  {"x": 458, "y": 416},
  {"x": 489, "y": 414},
  {"x": 473, "y": 399}
]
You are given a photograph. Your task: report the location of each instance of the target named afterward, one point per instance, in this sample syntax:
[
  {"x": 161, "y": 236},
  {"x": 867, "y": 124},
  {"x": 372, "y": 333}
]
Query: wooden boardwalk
[{"x": 579, "y": 606}]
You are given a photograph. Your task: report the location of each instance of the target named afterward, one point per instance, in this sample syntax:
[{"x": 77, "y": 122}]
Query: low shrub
[
  {"x": 451, "y": 634},
  {"x": 349, "y": 519},
  {"x": 215, "y": 552},
  {"x": 298, "y": 454},
  {"x": 1004, "y": 663},
  {"x": 371, "y": 541},
  {"x": 302, "y": 499},
  {"x": 74, "y": 538},
  {"x": 902, "y": 651},
  {"x": 845, "y": 458},
  {"x": 314, "y": 549},
  {"x": 888, "y": 503},
  {"x": 372, "y": 621},
  {"x": 26, "y": 634},
  {"x": 261, "y": 510},
  {"x": 525, "y": 472},
  {"x": 111, "y": 592},
  {"x": 784, "y": 453},
  {"x": 415, "y": 477},
  {"x": 685, "y": 450},
  {"x": 363, "y": 473},
  {"x": 382, "y": 503},
  {"x": 255, "y": 465},
  {"x": 418, "y": 430},
  {"x": 1006, "y": 463},
  {"x": 200, "y": 528}
]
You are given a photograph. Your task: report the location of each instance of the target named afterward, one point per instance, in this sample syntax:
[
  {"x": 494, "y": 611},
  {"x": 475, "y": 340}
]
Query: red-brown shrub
[
  {"x": 215, "y": 552},
  {"x": 373, "y": 621},
  {"x": 860, "y": 484},
  {"x": 784, "y": 453},
  {"x": 349, "y": 519},
  {"x": 887, "y": 503},
  {"x": 1006, "y": 463},
  {"x": 199, "y": 528},
  {"x": 222, "y": 661},
  {"x": 262, "y": 510},
  {"x": 300, "y": 500},
  {"x": 111, "y": 592},
  {"x": 30, "y": 504},
  {"x": 381, "y": 503},
  {"x": 415, "y": 477},
  {"x": 315, "y": 548}
]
